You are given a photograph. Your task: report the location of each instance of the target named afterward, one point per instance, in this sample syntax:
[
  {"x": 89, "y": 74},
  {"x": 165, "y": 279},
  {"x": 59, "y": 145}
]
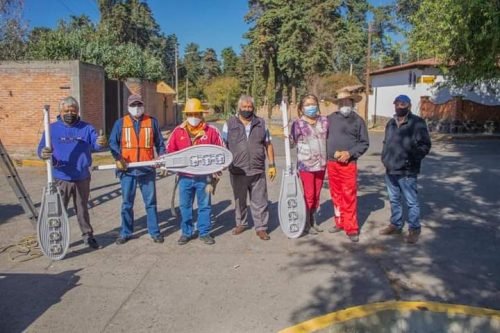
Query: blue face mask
[{"x": 311, "y": 111}]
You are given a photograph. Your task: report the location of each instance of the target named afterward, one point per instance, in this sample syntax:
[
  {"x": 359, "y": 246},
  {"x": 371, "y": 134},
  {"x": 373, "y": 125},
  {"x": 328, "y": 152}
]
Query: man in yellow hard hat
[{"x": 194, "y": 131}]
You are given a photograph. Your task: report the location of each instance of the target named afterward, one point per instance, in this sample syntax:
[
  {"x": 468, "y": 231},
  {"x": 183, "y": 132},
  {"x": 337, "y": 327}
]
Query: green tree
[
  {"x": 229, "y": 61},
  {"x": 210, "y": 66},
  {"x": 193, "y": 69},
  {"x": 464, "y": 35},
  {"x": 223, "y": 93},
  {"x": 12, "y": 30}
]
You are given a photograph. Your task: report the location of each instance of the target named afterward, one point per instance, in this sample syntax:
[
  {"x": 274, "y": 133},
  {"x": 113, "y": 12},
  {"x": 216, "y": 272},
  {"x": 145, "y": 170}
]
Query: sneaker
[
  {"x": 183, "y": 240},
  {"x": 92, "y": 243},
  {"x": 121, "y": 240},
  {"x": 335, "y": 229},
  {"x": 354, "y": 238},
  {"x": 412, "y": 237},
  {"x": 391, "y": 229},
  {"x": 158, "y": 239},
  {"x": 311, "y": 231},
  {"x": 316, "y": 228},
  {"x": 207, "y": 239}
]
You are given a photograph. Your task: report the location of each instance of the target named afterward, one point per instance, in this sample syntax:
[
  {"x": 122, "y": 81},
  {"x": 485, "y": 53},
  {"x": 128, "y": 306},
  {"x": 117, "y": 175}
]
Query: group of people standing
[{"x": 325, "y": 145}]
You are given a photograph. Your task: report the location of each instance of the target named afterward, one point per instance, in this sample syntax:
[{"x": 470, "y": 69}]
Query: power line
[{"x": 67, "y": 8}]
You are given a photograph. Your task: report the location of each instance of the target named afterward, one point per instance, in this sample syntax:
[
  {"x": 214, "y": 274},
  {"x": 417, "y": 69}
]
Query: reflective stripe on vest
[{"x": 135, "y": 149}]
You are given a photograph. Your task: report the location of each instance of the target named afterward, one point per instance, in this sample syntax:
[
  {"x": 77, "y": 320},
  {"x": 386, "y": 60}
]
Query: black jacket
[{"x": 405, "y": 146}]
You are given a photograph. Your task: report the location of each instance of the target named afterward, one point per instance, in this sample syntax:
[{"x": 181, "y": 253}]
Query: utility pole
[
  {"x": 367, "y": 77},
  {"x": 176, "y": 75},
  {"x": 187, "y": 90}
]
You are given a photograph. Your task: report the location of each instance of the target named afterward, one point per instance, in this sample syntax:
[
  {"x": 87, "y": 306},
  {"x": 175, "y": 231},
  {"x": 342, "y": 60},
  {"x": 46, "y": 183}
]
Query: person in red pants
[
  {"x": 347, "y": 141},
  {"x": 309, "y": 134}
]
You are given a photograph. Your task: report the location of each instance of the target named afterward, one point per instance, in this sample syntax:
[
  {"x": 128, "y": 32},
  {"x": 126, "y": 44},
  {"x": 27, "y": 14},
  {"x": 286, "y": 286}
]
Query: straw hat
[{"x": 344, "y": 94}]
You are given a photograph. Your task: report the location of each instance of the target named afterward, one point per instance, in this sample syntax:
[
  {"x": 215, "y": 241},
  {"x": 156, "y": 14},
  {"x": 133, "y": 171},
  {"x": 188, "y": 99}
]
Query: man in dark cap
[
  {"x": 406, "y": 143},
  {"x": 135, "y": 138}
]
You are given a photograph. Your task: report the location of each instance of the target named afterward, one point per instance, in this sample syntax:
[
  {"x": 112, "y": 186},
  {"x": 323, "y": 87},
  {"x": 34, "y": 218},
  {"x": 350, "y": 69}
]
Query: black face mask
[
  {"x": 246, "y": 114},
  {"x": 70, "y": 118},
  {"x": 402, "y": 112}
]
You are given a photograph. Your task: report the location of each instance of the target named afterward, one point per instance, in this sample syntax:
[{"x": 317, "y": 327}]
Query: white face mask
[
  {"x": 193, "y": 121},
  {"x": 136, "y": 111},
  {"x": 346, "y": 110}
]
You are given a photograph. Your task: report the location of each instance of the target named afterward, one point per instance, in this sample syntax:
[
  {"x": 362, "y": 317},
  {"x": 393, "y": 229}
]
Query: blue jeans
[
  {"x": 406, "y": 185},
  {"x": 188, "y": 188},
  {"x": 147, "y": 185}
]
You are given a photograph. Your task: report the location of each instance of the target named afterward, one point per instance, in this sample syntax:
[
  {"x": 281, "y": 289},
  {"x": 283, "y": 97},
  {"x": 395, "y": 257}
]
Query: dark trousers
[
  {"x": 79, "y": 191},
  {"x": 256, "y": 187}
]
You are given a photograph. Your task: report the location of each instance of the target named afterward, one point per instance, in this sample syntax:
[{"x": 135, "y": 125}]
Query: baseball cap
[
  {"x": 134, "y": 99},
  {"x": 403, "y": 99}
]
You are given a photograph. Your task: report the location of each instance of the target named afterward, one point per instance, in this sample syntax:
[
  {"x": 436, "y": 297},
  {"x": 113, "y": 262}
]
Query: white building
[{"x": 416, "y": 79}]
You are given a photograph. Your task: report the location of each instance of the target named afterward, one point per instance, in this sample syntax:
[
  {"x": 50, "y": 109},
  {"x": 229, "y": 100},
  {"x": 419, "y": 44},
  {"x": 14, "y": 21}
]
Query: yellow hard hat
[{"x": 193, "y": 105}]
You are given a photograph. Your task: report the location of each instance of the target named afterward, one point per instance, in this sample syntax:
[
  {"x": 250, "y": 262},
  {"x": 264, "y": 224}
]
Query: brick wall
[
  {"x": 24, "y": 89},
  {"x": 92, "y": 95}
]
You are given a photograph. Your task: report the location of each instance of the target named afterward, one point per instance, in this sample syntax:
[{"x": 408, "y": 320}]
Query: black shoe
[
  {"x": 183, "y": 240},
  {"x": 92, "y": 243},
  {"x": 207, "y": 240},
  {"x": 158, "y": 239},
  {"x": 121, "y": 240}
]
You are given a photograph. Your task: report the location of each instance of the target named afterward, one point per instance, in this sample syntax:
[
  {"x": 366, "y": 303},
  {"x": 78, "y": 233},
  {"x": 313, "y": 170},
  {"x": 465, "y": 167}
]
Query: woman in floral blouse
[{"x": 309, "y": 133}]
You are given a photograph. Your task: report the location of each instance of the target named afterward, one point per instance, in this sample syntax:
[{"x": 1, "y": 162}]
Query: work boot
[
  {"x": 121, "y": 240},
  {"x": 412, "y": 237},
  {"x": 92, "y": 243},
  {"x": 391, "y": 229},
  {"x": 183, "y": 240},
  {"x": 158, "y": 239},
  {"x": 207, "y": 239},
  {"x": 262, "y": 234}
]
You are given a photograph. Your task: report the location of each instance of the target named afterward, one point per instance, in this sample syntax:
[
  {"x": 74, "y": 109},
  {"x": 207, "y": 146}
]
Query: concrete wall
[{"x": 385, "y": 87}]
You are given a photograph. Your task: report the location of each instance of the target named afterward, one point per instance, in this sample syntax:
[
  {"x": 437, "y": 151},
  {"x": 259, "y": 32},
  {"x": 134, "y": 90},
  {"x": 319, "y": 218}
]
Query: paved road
[{"x": 243, "y": 284}]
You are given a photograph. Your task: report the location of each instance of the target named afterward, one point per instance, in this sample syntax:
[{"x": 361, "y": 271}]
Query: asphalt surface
[{"x": 244, "y": 284}]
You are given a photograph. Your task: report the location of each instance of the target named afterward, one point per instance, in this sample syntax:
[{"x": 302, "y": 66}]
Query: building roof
[
  {"x": 163, "y": 88},
  {"x": 430, "y": 62}
]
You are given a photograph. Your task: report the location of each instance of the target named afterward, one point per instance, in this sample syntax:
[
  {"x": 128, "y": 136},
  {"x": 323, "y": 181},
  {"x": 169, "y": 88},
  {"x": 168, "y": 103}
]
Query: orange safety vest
[{"x": 135, "y": 149}]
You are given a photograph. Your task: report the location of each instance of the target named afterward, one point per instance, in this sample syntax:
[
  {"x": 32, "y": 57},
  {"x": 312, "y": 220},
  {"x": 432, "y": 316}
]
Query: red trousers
[
  {"x": 342, "y": 178},
  {"x": 312, "y": 181}
]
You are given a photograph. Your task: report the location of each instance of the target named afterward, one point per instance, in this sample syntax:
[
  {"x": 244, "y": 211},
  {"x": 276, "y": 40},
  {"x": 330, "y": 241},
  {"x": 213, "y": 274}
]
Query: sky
[{"x": 208, "y": 23}]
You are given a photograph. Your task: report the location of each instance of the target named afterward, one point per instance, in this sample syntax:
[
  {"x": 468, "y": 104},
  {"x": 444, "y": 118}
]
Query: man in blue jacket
[
  {"x": 136, "y": 137},
  {"x": 73, "y": 140},
  {"x": 406, "y": 143}
]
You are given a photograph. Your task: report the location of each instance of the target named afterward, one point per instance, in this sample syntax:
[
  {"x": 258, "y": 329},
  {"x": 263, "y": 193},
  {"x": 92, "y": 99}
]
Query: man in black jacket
[{"x": 406, "y": 143}]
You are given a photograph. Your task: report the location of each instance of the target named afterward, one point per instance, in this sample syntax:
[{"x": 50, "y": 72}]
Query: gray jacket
[{"x": 249, "y": 155}]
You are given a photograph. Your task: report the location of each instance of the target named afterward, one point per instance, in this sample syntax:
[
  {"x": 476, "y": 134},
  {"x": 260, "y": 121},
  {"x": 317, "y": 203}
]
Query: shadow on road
[
  {"x": 456, "y": 260},
  {"x": 25, "y": 297}
]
